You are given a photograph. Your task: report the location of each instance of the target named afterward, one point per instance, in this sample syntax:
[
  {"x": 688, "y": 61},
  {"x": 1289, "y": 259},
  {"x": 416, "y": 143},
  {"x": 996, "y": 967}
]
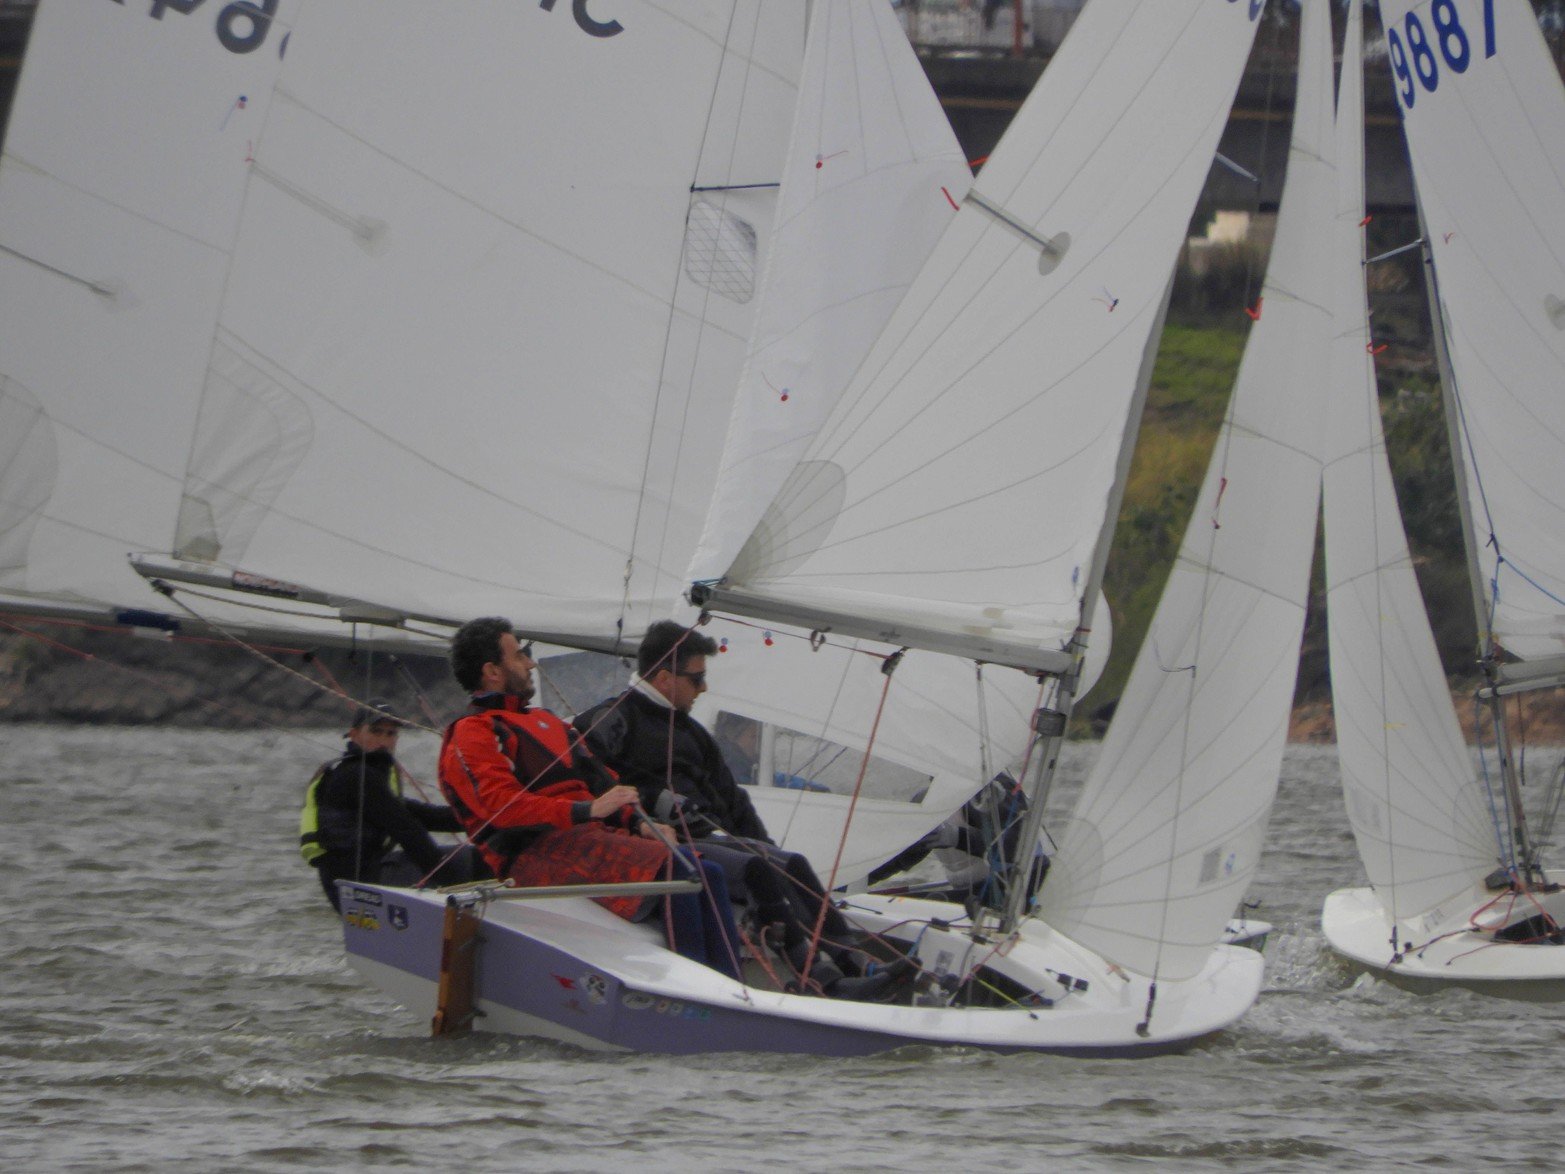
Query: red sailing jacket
[{"x": 513, "y": 773}]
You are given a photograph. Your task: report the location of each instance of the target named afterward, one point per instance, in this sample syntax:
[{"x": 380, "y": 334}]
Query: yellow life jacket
[{"x": 310, "y": 846}]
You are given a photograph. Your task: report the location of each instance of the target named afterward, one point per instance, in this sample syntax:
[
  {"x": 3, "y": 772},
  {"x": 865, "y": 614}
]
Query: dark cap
[{"x": 376, "y": 710}]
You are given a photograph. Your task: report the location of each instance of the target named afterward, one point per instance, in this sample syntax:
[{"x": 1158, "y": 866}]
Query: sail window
[
  {"x": 29, "y": 465},
  {"x": 1555, "y": 309},
  {"x": 720, "y": 251},
  {"x": 251, "y": 434},
  {"x": 795, "y": 525},
  {"x": 804, "y": 762}
]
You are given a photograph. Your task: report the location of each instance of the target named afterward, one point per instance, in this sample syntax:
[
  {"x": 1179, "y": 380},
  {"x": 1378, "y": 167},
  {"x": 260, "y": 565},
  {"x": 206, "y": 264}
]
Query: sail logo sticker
[
  {"x": 398, "y": 916},
  {"x": 641, "y": 1001},
  {"x": 584, "y": 20}
]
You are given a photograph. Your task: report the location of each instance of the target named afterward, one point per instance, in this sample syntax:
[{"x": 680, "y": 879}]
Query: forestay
[
  {"x": 1168, "y": 829},
  {"x": 1420, "y": 819},
  {"x": 958, "y": 488},
  {"x": 1481, "y": 97}
]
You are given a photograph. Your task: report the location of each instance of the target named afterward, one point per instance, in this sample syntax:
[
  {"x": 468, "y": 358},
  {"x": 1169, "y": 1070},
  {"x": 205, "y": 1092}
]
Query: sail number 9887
[
  {"x": 241, "y": 26},
  {"x": 1416, "y": 50}
]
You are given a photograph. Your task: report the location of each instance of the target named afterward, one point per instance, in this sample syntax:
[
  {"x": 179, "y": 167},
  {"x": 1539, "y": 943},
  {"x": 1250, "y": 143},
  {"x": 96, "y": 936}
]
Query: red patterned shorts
[{"x": 592, "y": 854}]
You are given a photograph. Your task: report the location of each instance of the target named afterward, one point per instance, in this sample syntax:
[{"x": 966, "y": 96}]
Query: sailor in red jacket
[{"x": 544, "y": 811}]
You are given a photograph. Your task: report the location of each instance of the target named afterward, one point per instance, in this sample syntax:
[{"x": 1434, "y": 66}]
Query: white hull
[
  {"x": 567, "y": 970},
  {"x": 1451, "y": 950}
]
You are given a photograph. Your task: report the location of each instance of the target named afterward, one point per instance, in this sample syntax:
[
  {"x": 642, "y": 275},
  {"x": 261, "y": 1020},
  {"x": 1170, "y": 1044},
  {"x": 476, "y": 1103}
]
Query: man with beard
[
  {"x": 544, "y": 811},
  {"x": 647, "y": 735}
]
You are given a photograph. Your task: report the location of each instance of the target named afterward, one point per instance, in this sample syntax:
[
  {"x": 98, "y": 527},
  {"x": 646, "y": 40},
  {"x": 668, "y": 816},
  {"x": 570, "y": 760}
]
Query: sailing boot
[{"x": 827, "y": 977}]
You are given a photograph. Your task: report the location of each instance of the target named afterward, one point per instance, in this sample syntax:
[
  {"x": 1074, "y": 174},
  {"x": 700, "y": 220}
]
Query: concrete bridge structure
[
  {"x": 983, "y": 72},
  {"x": 980, "y": 95}
]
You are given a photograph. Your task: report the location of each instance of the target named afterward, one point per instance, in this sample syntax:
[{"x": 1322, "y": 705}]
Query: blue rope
[{"x": 1501, "y": 561}]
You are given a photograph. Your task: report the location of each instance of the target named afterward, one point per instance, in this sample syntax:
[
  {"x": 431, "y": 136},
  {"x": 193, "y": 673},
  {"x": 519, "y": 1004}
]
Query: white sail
[
  {"x": 959, "y": 486},
  {"x": 120, "y": 193},
  {"x": 1481, "y": 98},
  {"x": 1422, "y": 823},
  {"x": 1168, "y": 829},
  {"x": 872, "y": 176},
  {"x": 478, "y": 337}
]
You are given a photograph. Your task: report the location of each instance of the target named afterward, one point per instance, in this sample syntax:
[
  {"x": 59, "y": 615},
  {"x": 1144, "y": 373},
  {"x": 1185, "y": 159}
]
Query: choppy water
[{"x": 173, "y": 997}]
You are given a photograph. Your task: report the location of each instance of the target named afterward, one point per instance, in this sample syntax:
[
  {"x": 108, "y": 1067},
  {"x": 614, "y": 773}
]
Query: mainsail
[
  {"x": 1419, "y": 816},
  {"x": 1168, "y": 829},
  {"x": 1481, "y": 100},
  {"x": 422, "y": 345},
  {"x": 119, "y": 202}
]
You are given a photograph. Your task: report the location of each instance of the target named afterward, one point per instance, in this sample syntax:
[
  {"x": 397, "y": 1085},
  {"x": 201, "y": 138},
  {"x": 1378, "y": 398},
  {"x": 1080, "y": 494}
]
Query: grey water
[{"x": 173, "y": 997}]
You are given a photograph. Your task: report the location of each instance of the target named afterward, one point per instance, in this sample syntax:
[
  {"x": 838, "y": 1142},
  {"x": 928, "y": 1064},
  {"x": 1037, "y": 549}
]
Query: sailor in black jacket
[
  {"x": 648, "y": 737},
  {"x": 355, "y": 818}
]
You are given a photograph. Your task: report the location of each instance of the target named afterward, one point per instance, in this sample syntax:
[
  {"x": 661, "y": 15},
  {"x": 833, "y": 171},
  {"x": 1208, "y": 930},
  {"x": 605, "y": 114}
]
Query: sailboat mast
[
  {"x": 1050, "y": 725},
  {"x": 1488, "y": 655}
]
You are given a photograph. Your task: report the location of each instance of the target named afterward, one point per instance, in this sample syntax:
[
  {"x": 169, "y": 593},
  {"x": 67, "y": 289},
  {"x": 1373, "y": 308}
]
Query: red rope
[{"x": 842, "y": 842}]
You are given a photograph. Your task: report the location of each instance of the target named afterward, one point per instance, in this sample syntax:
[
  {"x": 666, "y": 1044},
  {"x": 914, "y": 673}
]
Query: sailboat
[
  {"x": 1035, "y": 987},
  {"x": 1457, "y": 891},
  {"x": 438, "y": 354}
]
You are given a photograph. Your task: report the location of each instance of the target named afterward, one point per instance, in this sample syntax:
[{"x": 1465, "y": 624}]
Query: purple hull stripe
[{"x": 535, "y": 979}]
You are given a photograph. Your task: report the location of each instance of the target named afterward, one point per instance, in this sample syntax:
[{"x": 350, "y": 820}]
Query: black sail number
[{"x": 242, "y": 26}]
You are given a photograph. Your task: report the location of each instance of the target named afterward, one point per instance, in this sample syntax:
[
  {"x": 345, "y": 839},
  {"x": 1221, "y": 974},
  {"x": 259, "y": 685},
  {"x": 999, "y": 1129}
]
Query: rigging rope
[{"x": 887, "y": 668}]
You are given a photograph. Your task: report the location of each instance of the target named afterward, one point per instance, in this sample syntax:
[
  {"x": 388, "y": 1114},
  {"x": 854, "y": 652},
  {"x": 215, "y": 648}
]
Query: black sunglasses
[{"x": 697, "y": 679}]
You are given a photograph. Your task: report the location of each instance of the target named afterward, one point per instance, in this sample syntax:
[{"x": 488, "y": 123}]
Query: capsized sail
[
  {"x": 1167, "y": 831},
  {"x": 955, "y": 495},
  {"x": 1419, "y": 816},
  {"x": 1481, "y": 97}
]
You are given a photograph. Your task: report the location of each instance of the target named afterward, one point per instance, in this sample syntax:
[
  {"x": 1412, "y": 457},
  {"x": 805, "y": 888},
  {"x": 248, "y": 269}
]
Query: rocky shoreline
[
  {"x": 1540, "y": 720},
  {"x": 69, "y": 675},
  {"x": 65, "y": 674}
]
